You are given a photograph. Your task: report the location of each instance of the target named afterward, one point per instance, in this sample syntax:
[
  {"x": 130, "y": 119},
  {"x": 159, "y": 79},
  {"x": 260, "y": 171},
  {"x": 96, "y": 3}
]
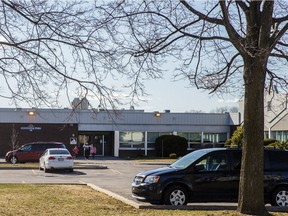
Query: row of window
[
  {"x": 281, "y": 136},
  {"x": 132, "y": 139}
]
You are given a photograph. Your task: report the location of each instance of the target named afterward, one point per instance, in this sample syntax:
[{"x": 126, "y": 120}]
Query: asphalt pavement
[{"x": 109, "y": 175}]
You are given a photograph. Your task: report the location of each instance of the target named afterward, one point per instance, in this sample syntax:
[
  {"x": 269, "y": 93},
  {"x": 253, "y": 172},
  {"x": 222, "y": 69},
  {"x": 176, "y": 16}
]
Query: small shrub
[
  {"x": 172, "y": 156},
  {"x": 268, "y": 141},
  {"x": 278, "y": 145},
  {"x": 228, "y": 143},
  {"x": 236, "y": 140},
  {"x": 167, "y": 144}
]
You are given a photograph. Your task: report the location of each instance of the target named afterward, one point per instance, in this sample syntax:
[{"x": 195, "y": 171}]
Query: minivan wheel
[
  {"x": 13, "y": 159},
  {"x": 176, "y": 196},
  {"x": 280, "y": 197}
]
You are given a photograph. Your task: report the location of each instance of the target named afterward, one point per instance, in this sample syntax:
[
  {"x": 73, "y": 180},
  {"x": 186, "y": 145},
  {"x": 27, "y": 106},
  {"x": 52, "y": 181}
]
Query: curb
[
  {"x": 202, "y": 206},
  {"x": 76, "y": 166},
  {"x": 116, "y": 196}
]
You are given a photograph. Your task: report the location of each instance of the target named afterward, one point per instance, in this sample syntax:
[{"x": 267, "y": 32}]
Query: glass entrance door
[
  {"x": 103, "y": 141},
  {"x": 99, "y": 141}
]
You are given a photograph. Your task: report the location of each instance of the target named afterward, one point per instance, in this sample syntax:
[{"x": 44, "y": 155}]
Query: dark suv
[
  {"x": 31, "y": 152},
  {"x": 208, "y": 175}
]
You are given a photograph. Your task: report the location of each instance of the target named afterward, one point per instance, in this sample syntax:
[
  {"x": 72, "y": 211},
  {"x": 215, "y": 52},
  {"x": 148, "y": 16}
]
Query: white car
[{"x": 56, "y": 158}]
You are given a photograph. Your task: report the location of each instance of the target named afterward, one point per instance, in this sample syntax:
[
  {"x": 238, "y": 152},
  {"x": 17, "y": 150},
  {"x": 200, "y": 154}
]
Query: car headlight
[{"x": 152, "y": 179}]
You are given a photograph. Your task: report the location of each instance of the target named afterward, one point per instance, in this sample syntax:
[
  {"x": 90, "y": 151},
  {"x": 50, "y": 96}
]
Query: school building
[{"x": 118, "y": 133}]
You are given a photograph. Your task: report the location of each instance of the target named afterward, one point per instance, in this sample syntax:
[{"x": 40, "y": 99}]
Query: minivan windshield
[{"x": 188, "y": 159}]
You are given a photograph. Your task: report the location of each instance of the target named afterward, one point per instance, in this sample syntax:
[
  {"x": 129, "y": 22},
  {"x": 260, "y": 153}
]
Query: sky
[
  {"x": 178, "y": 97},
  {"x": 165, "y": 94}
]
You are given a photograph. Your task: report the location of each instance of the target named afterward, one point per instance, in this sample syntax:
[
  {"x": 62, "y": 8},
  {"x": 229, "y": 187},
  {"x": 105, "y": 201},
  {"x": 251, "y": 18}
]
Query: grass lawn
[
  {"x": 19, "y": 165},
  {"x": 76, "y": 200}
]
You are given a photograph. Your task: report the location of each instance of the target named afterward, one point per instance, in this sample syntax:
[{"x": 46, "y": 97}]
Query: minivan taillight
[{"x": 51, "y": 158}]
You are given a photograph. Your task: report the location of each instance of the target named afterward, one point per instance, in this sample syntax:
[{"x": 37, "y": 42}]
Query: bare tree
[
  {"x": 222, "y": 46},
  {"x": 225, "y": 109},
  {"x": 14, "y": 142},
  {"x": 52, "y": 48}
]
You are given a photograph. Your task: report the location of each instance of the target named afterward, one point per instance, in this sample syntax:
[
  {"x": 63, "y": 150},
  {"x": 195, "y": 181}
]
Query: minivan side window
[
  {"x": 54, "y": 145},
  {"x": 278, "y": 160},
  {"x": 62, "y": 146},
  {"x": 236, "y": 160},
  {"x": 213, "y": 162},
  {"x": 49, "y": 145},
  {"x": 37, "y": 147},
  {"x": 26, "y": 148}
]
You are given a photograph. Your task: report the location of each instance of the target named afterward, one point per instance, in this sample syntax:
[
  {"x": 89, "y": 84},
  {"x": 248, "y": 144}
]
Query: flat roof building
[{"x": 119, "y": 133}]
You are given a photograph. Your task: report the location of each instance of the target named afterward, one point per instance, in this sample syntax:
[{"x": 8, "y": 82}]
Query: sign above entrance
[{"x": 30, "y": 128}]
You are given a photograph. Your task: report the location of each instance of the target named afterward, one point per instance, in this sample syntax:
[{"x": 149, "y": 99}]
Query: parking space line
[{"x": 116, "y": 171}]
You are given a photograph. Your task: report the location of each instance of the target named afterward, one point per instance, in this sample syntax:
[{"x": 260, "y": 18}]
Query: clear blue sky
[{"x": 178, "y": 97}]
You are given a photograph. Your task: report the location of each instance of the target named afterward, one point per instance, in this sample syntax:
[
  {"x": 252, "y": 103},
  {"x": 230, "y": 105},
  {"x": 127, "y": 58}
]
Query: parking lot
[{"x": 110, "y": 176}]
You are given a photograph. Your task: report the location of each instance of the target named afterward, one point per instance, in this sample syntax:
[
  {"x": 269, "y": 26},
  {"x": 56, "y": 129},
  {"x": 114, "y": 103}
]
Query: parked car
[
  {"x": 209, "y": 175},
  {"x": 56, "y": 158},
  {"x": 30, "y": 152}
]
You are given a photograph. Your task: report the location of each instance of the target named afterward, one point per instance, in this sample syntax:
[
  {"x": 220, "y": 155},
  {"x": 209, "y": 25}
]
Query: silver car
[{"x": 56, "y": 158}]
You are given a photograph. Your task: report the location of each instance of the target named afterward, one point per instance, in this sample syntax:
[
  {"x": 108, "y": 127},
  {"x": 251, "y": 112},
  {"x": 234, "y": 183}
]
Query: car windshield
[
  {"x": 188, "y": 159},
  {"x": 59, "y": 152}
]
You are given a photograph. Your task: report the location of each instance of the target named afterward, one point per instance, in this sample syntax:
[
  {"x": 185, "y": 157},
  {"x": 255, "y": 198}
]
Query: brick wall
[{"x": 35, "y": 132}]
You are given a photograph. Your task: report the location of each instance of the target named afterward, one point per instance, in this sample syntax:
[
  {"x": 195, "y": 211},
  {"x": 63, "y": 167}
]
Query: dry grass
[
  {"x": 19, "y": 165},
  {"x": 76, "y": 200}
]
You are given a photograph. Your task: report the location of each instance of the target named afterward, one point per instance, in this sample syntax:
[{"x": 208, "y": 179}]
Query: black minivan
[
  {"x": 31, "y": 152},
  {"x": 210, "y": 175}
]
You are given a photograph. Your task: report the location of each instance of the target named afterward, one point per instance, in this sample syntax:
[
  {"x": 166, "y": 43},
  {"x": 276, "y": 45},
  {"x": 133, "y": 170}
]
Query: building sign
[
  {"x": 73, "y": 141},
  {"x": 30, "y": 128}
]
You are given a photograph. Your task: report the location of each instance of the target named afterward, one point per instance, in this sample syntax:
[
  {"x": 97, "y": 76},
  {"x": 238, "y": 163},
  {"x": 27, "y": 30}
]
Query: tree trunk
[{"x": 251, "y": 188}]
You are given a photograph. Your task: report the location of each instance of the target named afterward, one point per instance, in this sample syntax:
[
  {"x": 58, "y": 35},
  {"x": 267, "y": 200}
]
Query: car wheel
[
  {"x": 280, "y": 197},
  {"x": 176, "y": 196},
  {"x": 71, "y": 170},
  {"x": 40, "y": 168},
  {"x": 44, "y": 168},
  {"x": 13, "y": 160}
]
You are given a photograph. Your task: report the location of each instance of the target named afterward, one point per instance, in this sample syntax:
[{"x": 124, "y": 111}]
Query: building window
[
  {"x": 266, "y": 134},
  {"x": 152, "y": 136},
  {"x": 191, "y": 137},
  {"x": 214, "y": 137},
  {"x": 281, "y": 136},
  {"x": 133, "y": 140},
  {"x": 194, "y": 139},
  {"x": 284, "y": 136}
]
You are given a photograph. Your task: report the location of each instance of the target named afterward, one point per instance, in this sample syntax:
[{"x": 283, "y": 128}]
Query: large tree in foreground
[{"x": 217, "y": 45}]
